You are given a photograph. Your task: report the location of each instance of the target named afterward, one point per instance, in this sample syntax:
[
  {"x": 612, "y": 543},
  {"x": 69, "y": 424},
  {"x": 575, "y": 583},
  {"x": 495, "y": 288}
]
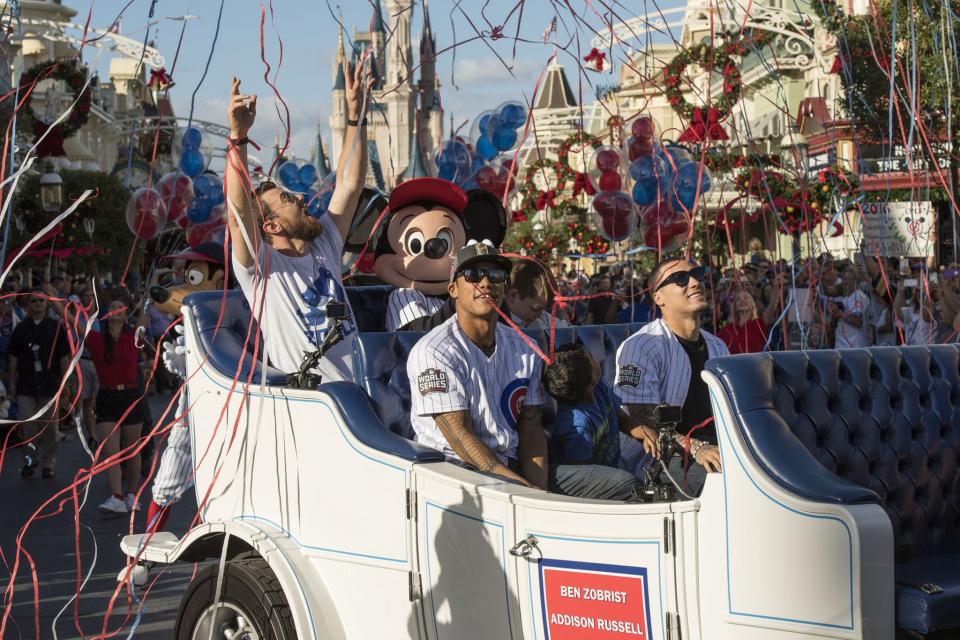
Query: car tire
[{"x": 251, "y": 597}]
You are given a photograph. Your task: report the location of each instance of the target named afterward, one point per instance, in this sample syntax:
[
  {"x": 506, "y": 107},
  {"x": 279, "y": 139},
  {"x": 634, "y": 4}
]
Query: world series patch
[
  {"x": 629, "y": 376},
  {"x": 432, "y": 381}
]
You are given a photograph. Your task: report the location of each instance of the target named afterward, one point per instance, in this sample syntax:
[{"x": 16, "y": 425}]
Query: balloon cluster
[
  {"x": 616, "y": 218},
  {"x": 305, "y": 179},
  {"x": 191, "y": 197},
  {"x": 666, "y": 185},
  {"x": 496, "y": 130}
]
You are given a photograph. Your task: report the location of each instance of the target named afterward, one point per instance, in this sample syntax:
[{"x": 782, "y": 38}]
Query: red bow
[
  {"x": 544, "y": 200},
  {"x": 837, "y": 65},
  {"x": 52, "y": 145},
  {"x": 582, "y": 184},
  {"x": 159, "y": 79},
  {"x": 596, "y": 58},
  {"x": 705, "y": 126}
]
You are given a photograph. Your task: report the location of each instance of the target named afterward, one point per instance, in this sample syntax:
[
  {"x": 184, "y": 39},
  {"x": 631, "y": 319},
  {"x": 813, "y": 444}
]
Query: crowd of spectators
[
  {"x": 767, "y": 304},
  {"x": 44, "y": 320}
]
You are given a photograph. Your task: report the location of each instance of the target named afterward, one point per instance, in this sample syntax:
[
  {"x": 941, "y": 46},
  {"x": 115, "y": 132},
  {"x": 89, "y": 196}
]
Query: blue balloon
[
  {"x": 643, "y": 197},
  {"x": 476, "y": 163},
  {"x": 648, "y": 171},
  {"x": 203, "y": 185},
  {"x": 447, "y": 171},
  {"x": 694, "y": 175},
  {"x": 192, "y": 138},
  {"x": 504, "y": 138},
  {"x": 486, "y": 148},
  {"x": 191, "y": 162},
  {"x": 308, "y": 174},
  {"x": 514, "y": 114},
  {"x": 289, "y": 174},
  {"x": 680, "y": 156},
  {"x": 494, "y": 124},
  {"x": 483, "y": 123},
  {"x": 199, "y": 210},
  {"x": 216, "y": 195}
]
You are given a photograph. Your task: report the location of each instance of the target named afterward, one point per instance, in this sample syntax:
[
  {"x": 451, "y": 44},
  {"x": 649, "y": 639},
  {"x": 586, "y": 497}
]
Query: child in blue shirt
[{"x": 589, "y": 420}]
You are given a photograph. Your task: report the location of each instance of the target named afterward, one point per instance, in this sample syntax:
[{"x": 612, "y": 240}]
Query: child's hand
[{"x": 649, "y": 441}]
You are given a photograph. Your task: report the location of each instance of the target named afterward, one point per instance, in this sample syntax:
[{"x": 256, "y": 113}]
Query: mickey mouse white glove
[{"x": 175, "y": 353}]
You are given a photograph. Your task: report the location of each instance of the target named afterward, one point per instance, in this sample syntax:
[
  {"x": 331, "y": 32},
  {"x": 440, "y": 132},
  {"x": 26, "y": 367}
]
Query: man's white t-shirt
[
  {"x": 917, "y": 331},
  {"x": 406, "y": 305},
  {"x": 288, "y": 296},
  {"x": 448, "y": 372},
  {"x": 848, "y": 336}
]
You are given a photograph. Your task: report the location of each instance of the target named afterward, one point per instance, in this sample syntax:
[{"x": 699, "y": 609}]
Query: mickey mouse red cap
[{"x": 430, "y": 189}]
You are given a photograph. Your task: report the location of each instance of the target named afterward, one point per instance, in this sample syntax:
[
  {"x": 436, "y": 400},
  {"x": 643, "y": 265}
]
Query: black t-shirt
[
  {"x": 38, "y": 347},
  {"x": 600, "y": 307},
  {"x": 696, "y": 407}
]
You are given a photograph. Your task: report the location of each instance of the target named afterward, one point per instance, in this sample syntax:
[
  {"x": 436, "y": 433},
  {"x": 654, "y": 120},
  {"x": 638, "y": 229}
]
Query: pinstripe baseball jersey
[
  {"x": 406, "y": 305},
  {"x": 652, "y": 366},
  {"x": 448, "y": 372}
]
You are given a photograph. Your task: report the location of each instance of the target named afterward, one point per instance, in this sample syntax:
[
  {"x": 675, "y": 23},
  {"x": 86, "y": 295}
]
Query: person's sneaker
[
  {"x": 131, "y": 502},
  {"x": 113, "y": 506},
  {"x": 29, "y": 460},
  {"x": 139, "y": 574},
  {"x": 46, "y": 474}
]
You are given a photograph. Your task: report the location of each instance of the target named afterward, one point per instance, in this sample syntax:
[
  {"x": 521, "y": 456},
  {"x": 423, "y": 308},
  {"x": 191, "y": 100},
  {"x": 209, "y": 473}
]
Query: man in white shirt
[
  {"x": 850, "y": 311},
  {"x": 288, "y": 263}
]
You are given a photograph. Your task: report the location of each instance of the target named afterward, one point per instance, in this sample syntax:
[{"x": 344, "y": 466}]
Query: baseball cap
[
  {"x": 478, "y": 252},
  {"x": 204, "y": 252},
  {"x": 430, "y": 189}
]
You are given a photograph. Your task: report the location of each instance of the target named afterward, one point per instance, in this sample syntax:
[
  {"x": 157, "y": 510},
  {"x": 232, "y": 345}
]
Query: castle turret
[
  {"x": 431, "y": 112},
  {"x": 416, "y": 167},
  {"x": 319, "y": 156},
  {"x": 338, "y": 113}
]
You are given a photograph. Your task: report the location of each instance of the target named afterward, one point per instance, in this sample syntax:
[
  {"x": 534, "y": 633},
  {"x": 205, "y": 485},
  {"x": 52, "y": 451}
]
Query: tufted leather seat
[{"x": 867, "y": 425}]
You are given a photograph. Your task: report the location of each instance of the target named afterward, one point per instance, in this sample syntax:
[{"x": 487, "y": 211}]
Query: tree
[{"x": 106, "y": 207}]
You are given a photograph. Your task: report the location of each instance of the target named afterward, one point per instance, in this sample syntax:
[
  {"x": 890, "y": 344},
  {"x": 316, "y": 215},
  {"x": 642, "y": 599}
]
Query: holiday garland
[{"x": 75, "y": 76}]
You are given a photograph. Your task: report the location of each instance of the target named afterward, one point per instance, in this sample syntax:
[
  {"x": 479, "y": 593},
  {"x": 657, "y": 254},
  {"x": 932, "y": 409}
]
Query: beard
[{"x": 307, "y": 228}]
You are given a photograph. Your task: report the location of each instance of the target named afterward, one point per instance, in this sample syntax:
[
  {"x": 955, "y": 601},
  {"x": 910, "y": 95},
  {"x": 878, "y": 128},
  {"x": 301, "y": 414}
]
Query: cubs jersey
[
  {"x": 289, "y": 296},
  {"x": 448, "y": 372},
  {"x": 652, "y": 366},
  {"x": 406, "y": 305}
]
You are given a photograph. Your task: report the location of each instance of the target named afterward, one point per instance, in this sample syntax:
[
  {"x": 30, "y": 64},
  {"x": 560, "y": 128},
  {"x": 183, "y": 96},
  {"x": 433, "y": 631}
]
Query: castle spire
[
  {"x": 339, "y": 84},
  {"x": 416, "y": 167},
  {"x": 320, "y": 157}
]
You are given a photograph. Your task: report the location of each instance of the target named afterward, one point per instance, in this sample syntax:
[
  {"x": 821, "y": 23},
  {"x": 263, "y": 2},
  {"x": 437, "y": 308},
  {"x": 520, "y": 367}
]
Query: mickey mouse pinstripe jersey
[
  {"x": 652, "y": 366},
  {"x": 406, "y": 305},
  {"x": 448, "y": 372}
]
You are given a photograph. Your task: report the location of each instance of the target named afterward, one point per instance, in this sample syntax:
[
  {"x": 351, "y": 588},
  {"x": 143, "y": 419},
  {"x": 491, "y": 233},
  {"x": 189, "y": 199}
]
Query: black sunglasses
[
  {"x": 475, "y": 275},
  {"x": 36, "y": 299},
  {"x": 682, "y": 278}
]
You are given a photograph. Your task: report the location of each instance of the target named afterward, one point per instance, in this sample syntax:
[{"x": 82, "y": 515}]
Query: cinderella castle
[{"x": 405, "y": 119}]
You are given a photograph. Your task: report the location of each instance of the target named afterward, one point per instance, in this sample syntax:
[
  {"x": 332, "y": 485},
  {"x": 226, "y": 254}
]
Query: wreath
[
  {"x": 74, "y": 75},
  {"x": 706, "y": 120},
  {"x": 534, "y": 199}
]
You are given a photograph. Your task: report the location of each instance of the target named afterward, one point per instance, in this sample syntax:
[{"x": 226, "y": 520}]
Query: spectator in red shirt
[
  {"x": 747, "y": 333},
  {"x": 119, "y": 414}
]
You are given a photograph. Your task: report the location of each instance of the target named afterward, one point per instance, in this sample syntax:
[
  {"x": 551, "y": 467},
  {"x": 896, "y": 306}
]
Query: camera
[{"x": 665, "y": 419}]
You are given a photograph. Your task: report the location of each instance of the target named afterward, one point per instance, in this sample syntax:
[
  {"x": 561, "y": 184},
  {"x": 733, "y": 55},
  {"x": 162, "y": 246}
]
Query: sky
[{"x": 476, "y": 73}]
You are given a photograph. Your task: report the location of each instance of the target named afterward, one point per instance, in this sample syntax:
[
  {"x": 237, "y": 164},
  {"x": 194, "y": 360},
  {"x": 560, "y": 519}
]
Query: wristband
[
  {"x": 357, "y": 123},
  {"x": 242, "y": 141}
]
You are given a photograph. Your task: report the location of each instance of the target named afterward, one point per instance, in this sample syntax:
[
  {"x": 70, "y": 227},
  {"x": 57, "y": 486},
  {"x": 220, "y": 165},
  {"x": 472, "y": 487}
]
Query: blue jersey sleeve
[{"x": 573, "y": 436}]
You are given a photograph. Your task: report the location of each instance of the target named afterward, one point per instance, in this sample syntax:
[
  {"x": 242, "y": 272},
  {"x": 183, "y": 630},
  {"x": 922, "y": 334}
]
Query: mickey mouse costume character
[{"x": 429, "y": 220}]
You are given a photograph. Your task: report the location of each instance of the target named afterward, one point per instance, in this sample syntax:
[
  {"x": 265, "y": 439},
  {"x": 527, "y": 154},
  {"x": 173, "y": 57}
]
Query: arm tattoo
[{"x": 457, "y": 428}]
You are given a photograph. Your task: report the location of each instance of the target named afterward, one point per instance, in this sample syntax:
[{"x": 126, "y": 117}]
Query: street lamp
[
  {"x": 89, "y": 225},
  {"x": 538, "y": 231},
  {"x": 51, "y": 190}
]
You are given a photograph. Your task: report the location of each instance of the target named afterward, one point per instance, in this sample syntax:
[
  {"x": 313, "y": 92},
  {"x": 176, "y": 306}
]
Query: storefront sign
[
  {"x": 878, "y": 158},
  {"x": 587, "y": 601},
  {"x": 898, "y": 229}
]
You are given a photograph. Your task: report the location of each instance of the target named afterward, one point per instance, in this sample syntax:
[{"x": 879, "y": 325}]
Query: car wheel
[{"x": 252, "y": 605}]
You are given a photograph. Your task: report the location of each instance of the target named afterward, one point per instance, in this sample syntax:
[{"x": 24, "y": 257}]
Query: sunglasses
[
  {"x": 475, "y": 275},
  {"x": 36, "y": 299},
  {"x": 682, "y": 278}
]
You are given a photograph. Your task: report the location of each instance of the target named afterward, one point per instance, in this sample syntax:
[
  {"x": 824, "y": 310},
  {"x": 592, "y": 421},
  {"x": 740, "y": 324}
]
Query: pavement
[{"x": 52, "y": 543}]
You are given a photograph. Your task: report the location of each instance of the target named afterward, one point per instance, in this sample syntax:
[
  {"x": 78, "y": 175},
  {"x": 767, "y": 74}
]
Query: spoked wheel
[{"x": 252, "y": 605}]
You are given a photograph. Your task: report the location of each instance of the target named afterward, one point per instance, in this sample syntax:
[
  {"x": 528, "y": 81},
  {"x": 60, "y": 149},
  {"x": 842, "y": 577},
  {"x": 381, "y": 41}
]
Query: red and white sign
[{"x": 586, "y": 601}]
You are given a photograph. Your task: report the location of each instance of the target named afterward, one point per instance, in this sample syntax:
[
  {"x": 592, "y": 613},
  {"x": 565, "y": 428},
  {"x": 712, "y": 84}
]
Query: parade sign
[
  {"x": 899, "y": 229},
  {"x": 587, "y": 601}
]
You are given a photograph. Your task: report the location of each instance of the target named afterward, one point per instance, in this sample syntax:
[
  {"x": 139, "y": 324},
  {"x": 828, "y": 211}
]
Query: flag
[{"x": 551, "y": 28}]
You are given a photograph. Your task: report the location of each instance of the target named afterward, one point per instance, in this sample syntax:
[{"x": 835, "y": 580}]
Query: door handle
[{"x": 525, "y": 547}]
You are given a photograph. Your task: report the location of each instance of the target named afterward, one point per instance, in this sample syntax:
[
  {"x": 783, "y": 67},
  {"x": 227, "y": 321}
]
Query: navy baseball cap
[{"x": 478, "y": 252}]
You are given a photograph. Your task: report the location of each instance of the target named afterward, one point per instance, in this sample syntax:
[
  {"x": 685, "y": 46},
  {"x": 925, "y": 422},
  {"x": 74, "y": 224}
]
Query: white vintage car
[{"x": 328, "y": 524}]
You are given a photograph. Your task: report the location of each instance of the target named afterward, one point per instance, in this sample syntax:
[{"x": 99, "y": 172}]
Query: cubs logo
[
  {"x": 629, "y": 376},
  {"x": 512, "y": 400},
  {"x": 432, "y": 381}
]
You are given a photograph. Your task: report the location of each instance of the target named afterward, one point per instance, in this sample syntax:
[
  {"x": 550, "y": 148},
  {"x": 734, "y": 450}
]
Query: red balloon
[
  {"x": 643, "y": 127},
  {"x": 608, "y": 160},
  {"x": 613, "y": 204},
  {"x": 145, "y": 225},
  {"x": 658, "y": 213},
  {"x": 638, "y": 148},
  {"x": 610, "y": 181},
  {"x": 616, "y": 229},
  {"x": 197, "y": 233},
  {"x": 148, "y": 200}
]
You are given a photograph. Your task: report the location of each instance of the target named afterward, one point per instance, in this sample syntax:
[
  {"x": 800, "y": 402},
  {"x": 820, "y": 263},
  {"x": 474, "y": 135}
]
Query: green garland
[
  {"x": 564, "y": 174},
  {"x": 74, "y": 75}
]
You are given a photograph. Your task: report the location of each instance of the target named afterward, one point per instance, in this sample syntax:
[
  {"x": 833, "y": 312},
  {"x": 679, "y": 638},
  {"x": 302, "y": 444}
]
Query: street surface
[{"x": 51, "y": 544}]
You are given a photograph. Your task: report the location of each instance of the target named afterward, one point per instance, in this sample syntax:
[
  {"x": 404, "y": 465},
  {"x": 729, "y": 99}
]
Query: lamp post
[
  {"x": 794, "y": 150},
  {"x": 90, "y": 225},
  {"x": 538, "y": 231},
  {"x": 51, "y": 190}
]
